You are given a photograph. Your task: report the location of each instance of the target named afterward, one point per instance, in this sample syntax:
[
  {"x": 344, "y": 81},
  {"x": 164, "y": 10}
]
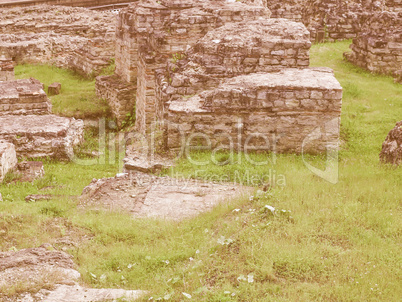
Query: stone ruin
[
  {"x": 392, "y": 147},
  {"x": 222, "y": 68},
  {"x": 55, "y": 273},
  {"x": 6, "y": 69},
  {"x": 378, "y": 47},
  {"x": 42, "y": 135},
  {"x": 24, "y": 96},
  {"x": 331, "y": 20},
  {"x": 26, "y": 122},
  {"x": 69, "y": 37}
]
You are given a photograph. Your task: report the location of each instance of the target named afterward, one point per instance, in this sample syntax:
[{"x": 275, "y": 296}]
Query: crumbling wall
[
  {"x": 248, "y": 84},
  {"x": 6, "y": 69},
  {"x": 151, "y": 33},
  {"x": 331, "y": 20},
  {"x": 68, "y": 37},
  {"x": 23, "y": 97},
  {"x": 378, "y": 47}
]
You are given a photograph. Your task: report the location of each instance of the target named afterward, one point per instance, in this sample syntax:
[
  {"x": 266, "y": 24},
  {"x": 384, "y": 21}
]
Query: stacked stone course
[
  {"x": 378, "y": 47},
  {"x": 6, "y": 69},
  {"x": 331, "y": 20},
  {"x": 69, "y": 37},
  {"x": 23, "y": 97},
  {"x": 222, "y": 67},
  {"x": 42, "y": 135}
]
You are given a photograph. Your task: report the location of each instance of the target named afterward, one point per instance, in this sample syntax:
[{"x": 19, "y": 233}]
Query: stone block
[
  {"x": 42, "y": 135},
  {"x": 8, "y": 158},
  {"x": 54, "y": 88},
  {"x": 21, "y": 97}
]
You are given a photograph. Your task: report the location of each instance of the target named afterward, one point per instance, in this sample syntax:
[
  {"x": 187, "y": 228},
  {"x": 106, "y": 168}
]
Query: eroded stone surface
[
  {"x": 144, "y": 195},
  {"x": 8, "y": 158},
  {"x": 42, "y": 135},
  {"x": 45, "y": 274},
  {"x": 392, "y": 147},
  {"x": 24, "y": 96},
  {"x": 267, "y": 111}
]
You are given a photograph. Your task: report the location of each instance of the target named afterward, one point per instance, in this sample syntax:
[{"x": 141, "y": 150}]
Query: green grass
[
  {"x": 338, "y": 242},
  {"x": 77, "y": 98}
]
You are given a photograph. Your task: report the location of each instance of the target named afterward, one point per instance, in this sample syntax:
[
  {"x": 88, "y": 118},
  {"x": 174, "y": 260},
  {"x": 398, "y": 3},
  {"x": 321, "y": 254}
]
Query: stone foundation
[
  {"x": 120, "y": 96},
  {"x": 8, "y": 158},
  {"x": 195, "y": 62},
  {"x": 69, "y": 37},
  {"x": 23, "y": 97},
  {"x": 6, "y": 69},
  {"x": 379, "y": 45},
  {"x": 260, "y": 111},
  {"x": 42, "y": 135}
]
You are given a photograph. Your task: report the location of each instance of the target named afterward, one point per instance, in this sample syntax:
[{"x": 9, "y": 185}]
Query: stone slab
[
  {"x": 42, "y": 135},
  {"x": 25, "y": 96}
]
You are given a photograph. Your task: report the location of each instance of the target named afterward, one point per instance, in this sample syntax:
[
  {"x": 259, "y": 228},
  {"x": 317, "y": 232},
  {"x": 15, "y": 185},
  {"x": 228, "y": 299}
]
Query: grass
[
  {"x": 338, "y": 242},
  {"x": 77, "y": 98}
]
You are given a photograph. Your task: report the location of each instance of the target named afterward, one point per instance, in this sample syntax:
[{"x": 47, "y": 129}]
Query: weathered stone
[
  {"x": 8, "y": 158},
  {"x": 42, "y": 135},
  {"x": 6, "y": 69},
  {"x": 38, "y": 197},
  {"x": 54, "y": 89},
  {"x": 30, "y": 170},
  {"x": 23, "y": 97},
  {"x": 69, "y": 37},
  {"x": 392, "y": 147},
  {"x": 377, "y": 48},
  {"x": 49, "y": 275},
  {"x": 145, "y": 195},
  {"x": 290, "y": 86},
  {"x": 120, "y": 96}
]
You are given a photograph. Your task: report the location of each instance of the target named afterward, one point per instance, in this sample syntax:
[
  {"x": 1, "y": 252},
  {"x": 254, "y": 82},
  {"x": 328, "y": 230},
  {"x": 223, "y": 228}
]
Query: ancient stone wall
[
  {"x": 42, "y": 135},
  {"x": 68, "y": 37},
  {"x": 378, "y": 47},
  {"x": 248, "y": 84},
  {"x": 23, "y": 97},
  {"x": 331, "y": 20},
  {"x": 151, "y": 33},
  {"x": 119, "y": 94},
  {"x": 222, "y": 67},
  {"x": 6, "y": 69}
]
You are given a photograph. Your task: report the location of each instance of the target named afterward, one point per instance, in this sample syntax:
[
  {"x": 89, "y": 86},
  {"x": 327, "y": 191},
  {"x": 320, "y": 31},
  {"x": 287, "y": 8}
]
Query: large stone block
[
  {"x": 23, "y": 97},
  {"x": 42, "y": 135},
  {"x": 267, "y": 111},
  {"x": 8, "y": 158}
]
